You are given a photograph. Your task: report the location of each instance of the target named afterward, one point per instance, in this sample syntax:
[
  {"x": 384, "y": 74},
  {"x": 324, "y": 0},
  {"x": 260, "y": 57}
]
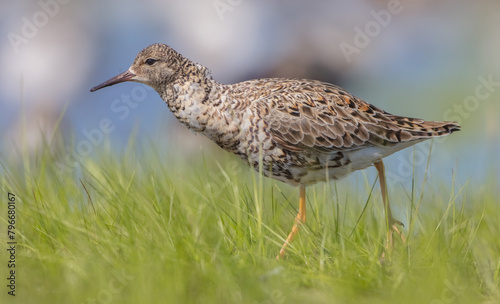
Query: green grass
[{"x": 151, "y": 227}]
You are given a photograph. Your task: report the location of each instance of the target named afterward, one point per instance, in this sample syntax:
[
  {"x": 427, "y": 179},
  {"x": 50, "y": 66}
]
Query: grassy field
[{"x": 145, "y": 227}]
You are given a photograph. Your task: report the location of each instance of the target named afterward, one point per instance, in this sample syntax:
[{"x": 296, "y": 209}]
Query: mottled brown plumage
[{"x": 303, "y": 131}]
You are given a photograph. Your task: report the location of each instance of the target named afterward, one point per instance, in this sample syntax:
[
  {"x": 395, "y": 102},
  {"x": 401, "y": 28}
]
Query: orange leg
[
  {"x": 299, "y": 220},
  {"x": 391, "y": 222}
]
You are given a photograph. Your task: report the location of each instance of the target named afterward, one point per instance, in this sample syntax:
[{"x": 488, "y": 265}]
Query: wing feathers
[{"x": 322, "y": 117}]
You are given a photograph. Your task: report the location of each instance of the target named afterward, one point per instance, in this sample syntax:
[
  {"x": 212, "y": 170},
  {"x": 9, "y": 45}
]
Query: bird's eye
[{"x": 150, "y": 61}]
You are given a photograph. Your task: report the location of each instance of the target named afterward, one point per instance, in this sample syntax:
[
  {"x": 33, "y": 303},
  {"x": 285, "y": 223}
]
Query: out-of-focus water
[{"x": 436, "y": 61}]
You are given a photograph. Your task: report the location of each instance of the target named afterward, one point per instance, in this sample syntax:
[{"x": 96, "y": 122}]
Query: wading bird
[{"x": 297, "y": 131}]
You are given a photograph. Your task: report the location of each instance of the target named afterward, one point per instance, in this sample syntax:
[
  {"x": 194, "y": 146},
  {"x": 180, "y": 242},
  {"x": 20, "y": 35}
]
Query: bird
[{"x": 297, "y": 131}]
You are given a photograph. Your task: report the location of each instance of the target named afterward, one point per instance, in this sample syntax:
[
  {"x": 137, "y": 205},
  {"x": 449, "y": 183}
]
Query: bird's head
[{"x": 155, "y": 66}]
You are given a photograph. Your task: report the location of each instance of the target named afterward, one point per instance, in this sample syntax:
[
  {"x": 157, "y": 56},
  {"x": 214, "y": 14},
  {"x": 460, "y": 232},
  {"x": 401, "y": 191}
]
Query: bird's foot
[{"x": 394, "y": 227}]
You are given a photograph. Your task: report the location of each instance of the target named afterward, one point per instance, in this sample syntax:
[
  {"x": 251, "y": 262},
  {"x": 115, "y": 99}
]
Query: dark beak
[{"x": 125, "y": 76}]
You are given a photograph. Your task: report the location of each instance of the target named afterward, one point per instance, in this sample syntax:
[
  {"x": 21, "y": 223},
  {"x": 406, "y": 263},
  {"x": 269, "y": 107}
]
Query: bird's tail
[{"x": 421, "y": 129}]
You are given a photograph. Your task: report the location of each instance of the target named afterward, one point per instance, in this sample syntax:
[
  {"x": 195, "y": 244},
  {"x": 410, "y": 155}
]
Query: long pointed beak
[{"x": 125, "y": 76}]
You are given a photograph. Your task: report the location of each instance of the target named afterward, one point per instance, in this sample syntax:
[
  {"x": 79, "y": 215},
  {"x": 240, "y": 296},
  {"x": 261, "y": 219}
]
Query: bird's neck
[
  {"x": 188, "y": 94},
  {"x": 201, "y": 103}
]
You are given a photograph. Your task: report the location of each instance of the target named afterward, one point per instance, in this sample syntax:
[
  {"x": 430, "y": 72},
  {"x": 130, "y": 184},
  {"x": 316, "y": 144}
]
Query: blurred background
[{"x": 436, "y": 60}]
